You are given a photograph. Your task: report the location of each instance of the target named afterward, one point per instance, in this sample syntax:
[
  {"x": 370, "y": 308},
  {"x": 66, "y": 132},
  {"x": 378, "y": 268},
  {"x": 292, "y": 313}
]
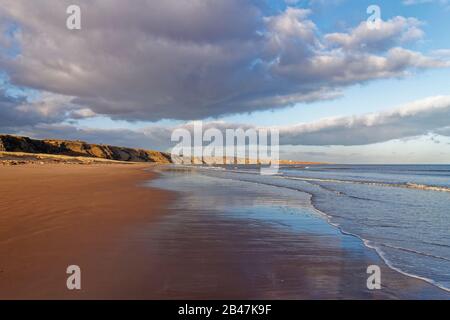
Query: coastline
[
  {"x": 134, "y": 239},
  {"x": 334, "y": 217},
  {"x": 284, "y": 247},
  {"x": 382, "y": 255}
]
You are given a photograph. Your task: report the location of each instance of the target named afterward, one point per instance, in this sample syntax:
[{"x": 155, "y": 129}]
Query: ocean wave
[
  {"x": 378, "y": 247},
  {"x": 389, "y": 263},
  {"x": 427, "y": 187},
  {"x": 415, "y": 252},
  {"x": 407, "y": 185}
]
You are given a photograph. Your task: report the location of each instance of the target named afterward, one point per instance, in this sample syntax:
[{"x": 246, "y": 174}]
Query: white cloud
[
  {"x": 191, "y": 60},
  {"x": 415, "y": 2},
  {"x": 393, "y": 32},
  {"x": 418, "y": 118},
  {"x": 414, "y": 119}
]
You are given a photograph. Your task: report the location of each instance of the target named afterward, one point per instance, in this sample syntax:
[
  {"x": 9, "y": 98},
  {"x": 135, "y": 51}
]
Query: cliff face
[{"x": 80, "y": 149}]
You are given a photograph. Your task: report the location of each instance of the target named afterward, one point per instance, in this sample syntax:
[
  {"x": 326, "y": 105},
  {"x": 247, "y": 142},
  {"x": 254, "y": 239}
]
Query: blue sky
[
  {"x": 366, "y": 98},
  {"x": 68, "y": 100},
  {"x": 332, "y": 16}
]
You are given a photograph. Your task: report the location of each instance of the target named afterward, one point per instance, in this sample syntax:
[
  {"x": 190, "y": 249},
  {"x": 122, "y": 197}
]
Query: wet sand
[
  {"x": 242, "y": 240},
  {"x": 53, "y": 216},
  {"x": 136, "y": 242}
]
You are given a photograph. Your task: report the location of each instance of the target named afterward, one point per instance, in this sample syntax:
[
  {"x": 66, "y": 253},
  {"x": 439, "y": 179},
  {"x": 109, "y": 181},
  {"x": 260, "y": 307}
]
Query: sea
[{"x": 401, "y": 211}]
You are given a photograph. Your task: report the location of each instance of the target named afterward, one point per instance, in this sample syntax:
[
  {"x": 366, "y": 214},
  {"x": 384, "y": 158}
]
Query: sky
[{"x": 338, "y": 90}]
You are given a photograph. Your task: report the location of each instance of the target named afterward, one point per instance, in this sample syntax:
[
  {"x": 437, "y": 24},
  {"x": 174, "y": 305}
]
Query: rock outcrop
[{"x": 80, "y": 149}]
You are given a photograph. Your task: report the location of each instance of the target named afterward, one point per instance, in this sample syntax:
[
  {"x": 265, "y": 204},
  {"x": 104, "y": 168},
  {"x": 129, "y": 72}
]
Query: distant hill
[
  {"x": 11, "y": 143},
  {"x": 17, "y": 144}
]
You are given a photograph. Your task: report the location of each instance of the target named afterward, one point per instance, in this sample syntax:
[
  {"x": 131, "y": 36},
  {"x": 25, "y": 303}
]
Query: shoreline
[
  {"x": 136, "y": 240},
  {"x": 380, "y": 253},
  {"x": 367, "y": 243},
  {"x": 306, "y": 237}
]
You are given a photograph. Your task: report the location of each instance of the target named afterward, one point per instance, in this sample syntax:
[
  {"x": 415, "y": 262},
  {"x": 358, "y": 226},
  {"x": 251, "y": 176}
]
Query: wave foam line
[
  {"x": 407, "y": 185},
  {"x": 381, "y": 254},
  {"x": 367, "y": 243},
  {"x": 378, "y": 184}
]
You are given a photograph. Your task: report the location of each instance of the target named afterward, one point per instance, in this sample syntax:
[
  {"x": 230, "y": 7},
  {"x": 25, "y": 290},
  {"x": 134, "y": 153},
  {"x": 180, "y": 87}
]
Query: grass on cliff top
[{"x": 23, "y": 156}]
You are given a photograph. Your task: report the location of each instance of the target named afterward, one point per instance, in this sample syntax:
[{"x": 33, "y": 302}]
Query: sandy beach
[
  {"x": 53, "y": 216},
  {"x": 133, "y": 241}
]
